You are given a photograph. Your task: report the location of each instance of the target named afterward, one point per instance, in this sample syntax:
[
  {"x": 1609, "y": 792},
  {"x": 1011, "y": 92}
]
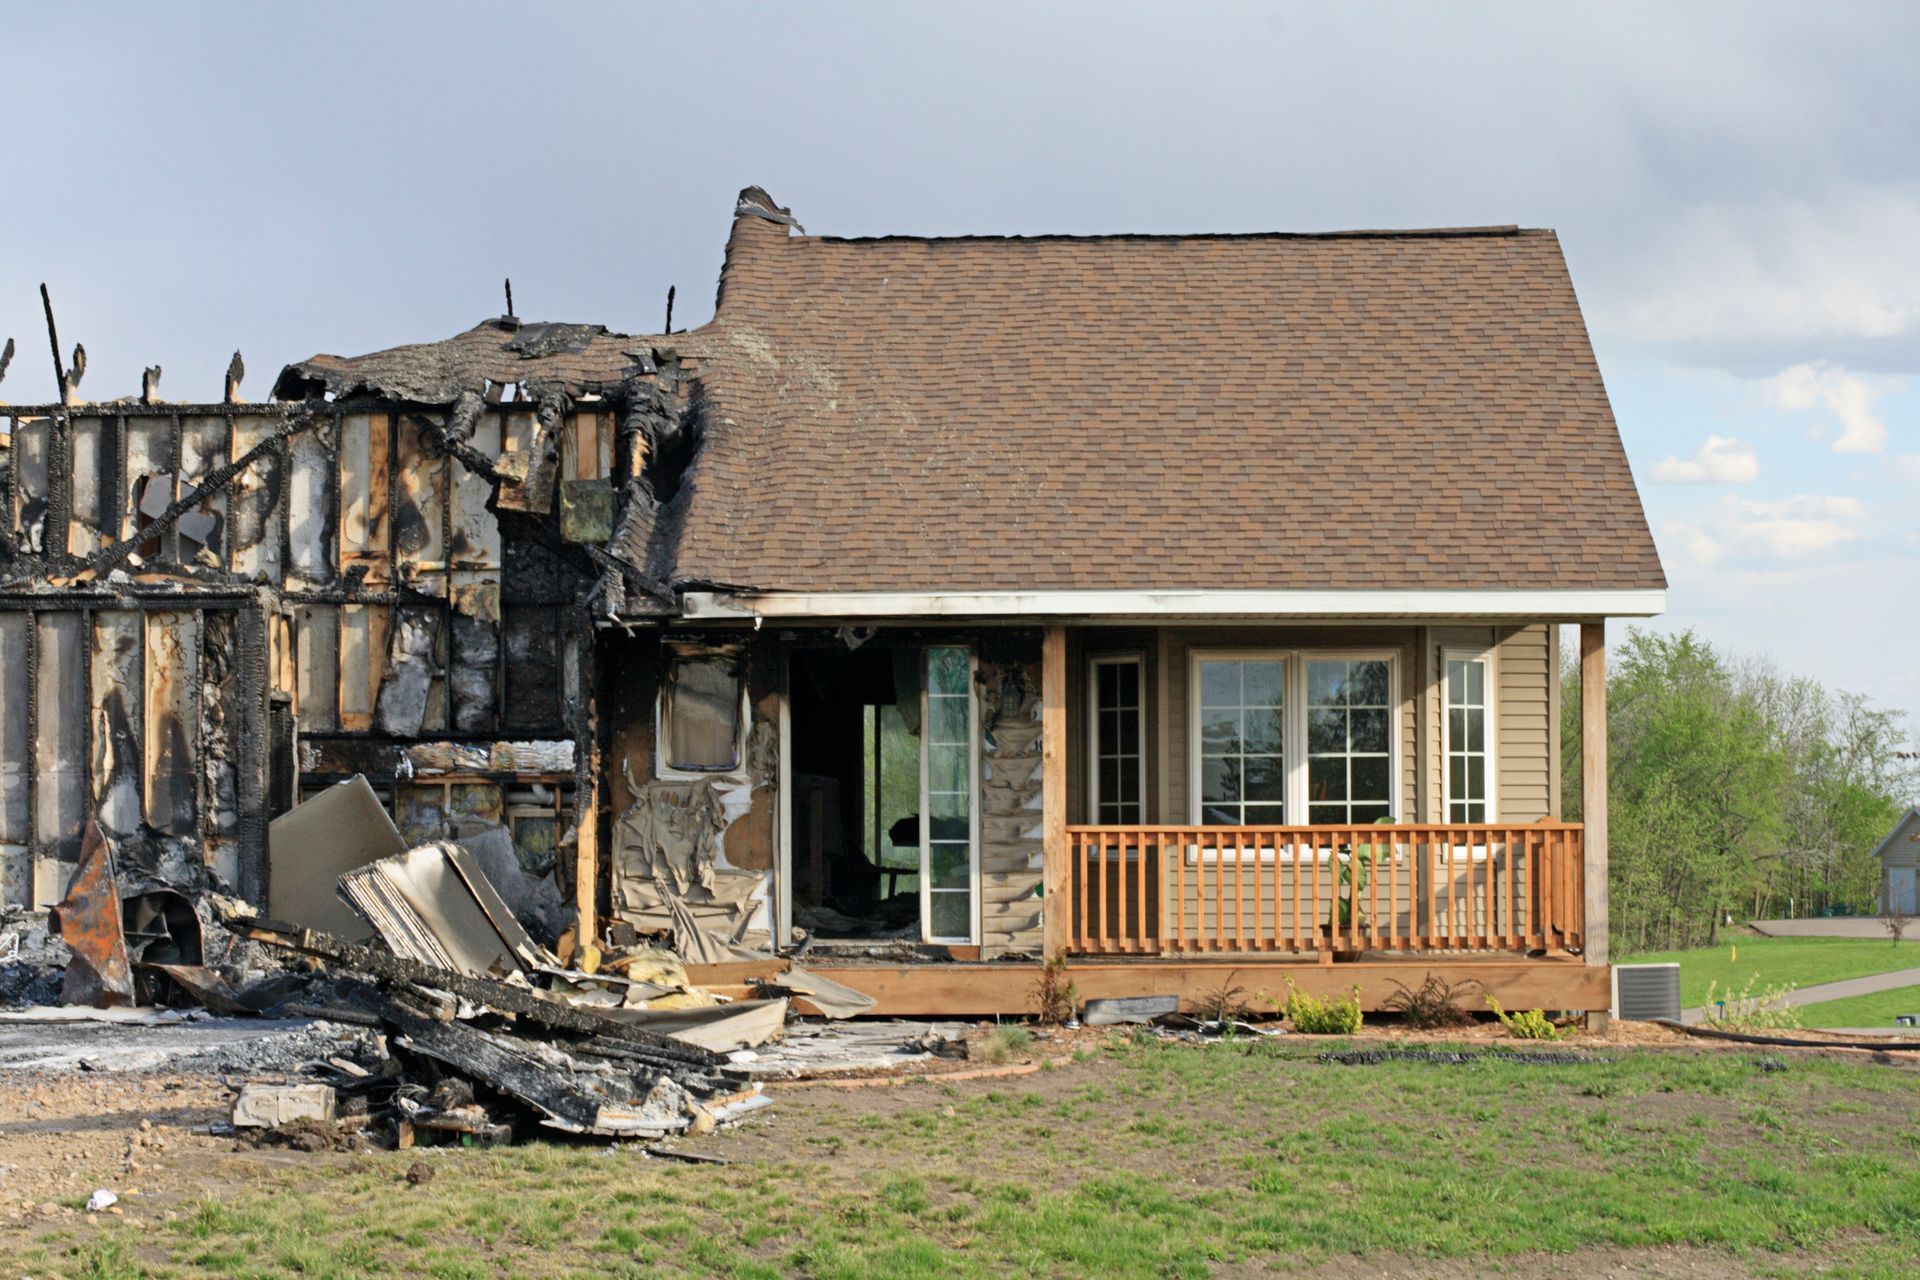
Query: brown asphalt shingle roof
[{"x": 1367, "y": 410}]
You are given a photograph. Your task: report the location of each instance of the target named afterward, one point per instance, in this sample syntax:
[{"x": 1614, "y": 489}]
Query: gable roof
[
  {"x": 1357, "y": 411},
  {"x": 1909, "y": 821}
]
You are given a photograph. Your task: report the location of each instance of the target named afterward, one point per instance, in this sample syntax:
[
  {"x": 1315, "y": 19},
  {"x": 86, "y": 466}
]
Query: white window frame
[
  {"x": 664, "y": 771},
  {"x": 1451, "y": 654},
  {"x": 1138, "y": 660},
  {"x": 1294, "y": 736},
  {"x": 973, "y": 803}
]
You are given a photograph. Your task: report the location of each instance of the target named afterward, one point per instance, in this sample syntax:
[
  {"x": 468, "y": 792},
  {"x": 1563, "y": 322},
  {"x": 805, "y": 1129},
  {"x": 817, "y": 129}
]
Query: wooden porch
[{"x": 1326, "y": 891}]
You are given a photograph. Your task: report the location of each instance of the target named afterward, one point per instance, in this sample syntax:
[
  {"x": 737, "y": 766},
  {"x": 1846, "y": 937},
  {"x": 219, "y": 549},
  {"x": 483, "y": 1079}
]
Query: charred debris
[{"x": 302, "y": 712}]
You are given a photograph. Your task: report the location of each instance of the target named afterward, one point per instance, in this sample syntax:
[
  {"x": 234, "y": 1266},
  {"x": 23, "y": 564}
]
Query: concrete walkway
[
  {"x": 1836, "y": 927},
  {"x": 1872, "y": 984}
]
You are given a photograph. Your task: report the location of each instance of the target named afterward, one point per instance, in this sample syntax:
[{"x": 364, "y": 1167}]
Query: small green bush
[
  {"x": 1334, "y": 1016},
  {"x": 1005, "y": 1042},
  {"x": 1747, "y": 1010},
  {"x": 1528, "y": 1024}
]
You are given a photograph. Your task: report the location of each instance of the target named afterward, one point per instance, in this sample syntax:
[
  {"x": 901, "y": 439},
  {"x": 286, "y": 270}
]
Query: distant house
[
  {"x": 1184, "y": 605},
  {"x": 1899, "y": 856}
]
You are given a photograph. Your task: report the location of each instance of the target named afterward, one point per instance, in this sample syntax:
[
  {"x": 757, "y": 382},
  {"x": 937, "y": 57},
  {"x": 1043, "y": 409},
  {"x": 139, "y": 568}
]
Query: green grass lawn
[
  {"x": 1148, "y": 1160},
  {"x": 1862, "y": 1011},
  {"x": 1778, "y": 961}
]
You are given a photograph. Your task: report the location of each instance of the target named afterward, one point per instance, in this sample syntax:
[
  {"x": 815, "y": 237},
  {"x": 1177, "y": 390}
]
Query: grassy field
[
  {"x": 1778, "y": 961},
  {"x": 1862, "y": 1011},
  {"x": 1145, "y": 1160}
]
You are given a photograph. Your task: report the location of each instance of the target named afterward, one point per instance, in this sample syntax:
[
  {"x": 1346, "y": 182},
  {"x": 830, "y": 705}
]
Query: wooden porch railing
[{"x": 1322, "y": 889}]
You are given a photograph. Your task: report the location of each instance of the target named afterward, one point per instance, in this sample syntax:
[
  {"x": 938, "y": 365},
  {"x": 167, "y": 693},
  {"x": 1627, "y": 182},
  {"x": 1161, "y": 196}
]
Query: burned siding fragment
[
  {"x": 172, "y": 670},
  {"x": 476, "y": 660},
  {"x": 412, "y": 668}
]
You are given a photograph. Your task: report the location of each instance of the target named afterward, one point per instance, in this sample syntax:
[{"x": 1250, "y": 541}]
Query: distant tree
[{"x": 1733, "y": 789}]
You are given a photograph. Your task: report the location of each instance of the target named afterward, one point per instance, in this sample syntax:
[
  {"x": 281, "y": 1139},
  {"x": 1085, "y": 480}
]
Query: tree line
[{"x": 1736, "y": 791}]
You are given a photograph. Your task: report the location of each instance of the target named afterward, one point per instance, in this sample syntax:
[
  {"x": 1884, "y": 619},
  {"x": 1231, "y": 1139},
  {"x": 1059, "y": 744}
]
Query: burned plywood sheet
[
  {"x": 59, "y": 748},
  {"x": 119, "y": 798},
  {"x": 16, "y": 816},
  {"x": 311, "y": 847},
  {"x": 172, "y": 671},
  {"x": 254, "y": 503}
]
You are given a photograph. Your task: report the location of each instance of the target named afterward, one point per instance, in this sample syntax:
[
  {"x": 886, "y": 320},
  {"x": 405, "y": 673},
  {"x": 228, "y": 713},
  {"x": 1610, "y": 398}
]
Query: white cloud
[
  {"x": 1721, "y": 460},
  {"x": 1908, "y": 466},
  {"x": 1850, "y": 398},
  {"x": 1801, "y": 527},
  {"x": 1844, "y": 265}
]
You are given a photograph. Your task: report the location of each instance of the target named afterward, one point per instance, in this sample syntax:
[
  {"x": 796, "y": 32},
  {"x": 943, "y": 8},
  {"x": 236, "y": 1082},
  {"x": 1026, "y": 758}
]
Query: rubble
[{"x": 269, "y": 1106}]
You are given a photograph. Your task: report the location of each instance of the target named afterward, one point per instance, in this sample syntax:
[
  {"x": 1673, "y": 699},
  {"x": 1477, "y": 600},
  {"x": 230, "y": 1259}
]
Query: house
[
  {"x": 1186, "y": 606},
  {"x": 1899, "y": 857}
]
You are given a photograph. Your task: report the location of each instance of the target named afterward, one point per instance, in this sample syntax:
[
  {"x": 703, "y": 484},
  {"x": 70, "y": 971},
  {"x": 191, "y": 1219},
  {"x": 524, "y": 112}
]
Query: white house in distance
[{"x": 1899, "y": 856}]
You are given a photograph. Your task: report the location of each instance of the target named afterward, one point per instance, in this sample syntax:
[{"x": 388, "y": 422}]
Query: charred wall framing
[{"x": 175, "y": 580}]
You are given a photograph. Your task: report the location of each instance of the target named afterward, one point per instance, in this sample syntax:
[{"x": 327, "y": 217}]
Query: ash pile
[{"x": 469, "y": 1029}]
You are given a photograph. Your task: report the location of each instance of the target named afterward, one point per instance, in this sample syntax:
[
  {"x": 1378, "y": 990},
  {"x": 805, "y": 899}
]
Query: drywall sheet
[{"x": 310, "y": 847}]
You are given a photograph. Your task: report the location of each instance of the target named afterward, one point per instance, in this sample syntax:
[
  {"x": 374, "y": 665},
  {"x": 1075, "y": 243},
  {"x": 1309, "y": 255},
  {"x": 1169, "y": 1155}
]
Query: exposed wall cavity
[{"x": 193, "y": 597}]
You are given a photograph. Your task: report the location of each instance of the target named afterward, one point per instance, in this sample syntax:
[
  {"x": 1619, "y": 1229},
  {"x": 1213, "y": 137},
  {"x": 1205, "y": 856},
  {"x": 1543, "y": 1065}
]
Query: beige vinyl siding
[
  {"x": 1524, "y": 722},
  {"x": 1522, "y": 684}
]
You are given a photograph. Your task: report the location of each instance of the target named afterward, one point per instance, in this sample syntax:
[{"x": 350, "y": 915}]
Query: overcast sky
[{"x": 1737, "y": 188}]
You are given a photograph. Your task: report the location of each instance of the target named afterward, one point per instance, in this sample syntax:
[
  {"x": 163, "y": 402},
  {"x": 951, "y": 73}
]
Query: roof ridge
[{"x": 1382, "y": 233}]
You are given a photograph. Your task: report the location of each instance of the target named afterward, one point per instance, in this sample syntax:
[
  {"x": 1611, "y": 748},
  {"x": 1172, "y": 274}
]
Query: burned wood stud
[
  {"x": 150, "y": 385},
  {"x": 236, "y": 370},
  {"x": 6, "y": 358},
  {"x": 53, "y": 343}
]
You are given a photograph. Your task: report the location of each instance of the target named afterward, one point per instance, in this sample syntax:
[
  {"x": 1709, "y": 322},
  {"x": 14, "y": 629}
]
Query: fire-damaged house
[{"x": 1182, "y": 606}]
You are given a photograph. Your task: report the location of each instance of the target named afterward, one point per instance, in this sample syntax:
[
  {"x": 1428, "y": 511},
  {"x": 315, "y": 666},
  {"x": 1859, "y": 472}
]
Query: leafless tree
[{"x": 1896, "y": 922}]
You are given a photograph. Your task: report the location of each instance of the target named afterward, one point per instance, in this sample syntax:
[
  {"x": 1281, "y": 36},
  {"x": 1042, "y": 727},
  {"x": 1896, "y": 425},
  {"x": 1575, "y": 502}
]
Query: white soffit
[{"x": 1603, "y": 603}]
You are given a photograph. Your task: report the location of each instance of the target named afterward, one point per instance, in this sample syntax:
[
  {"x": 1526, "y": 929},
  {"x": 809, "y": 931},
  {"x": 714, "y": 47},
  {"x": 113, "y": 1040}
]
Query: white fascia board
[{"x": 1422, "y": 603}]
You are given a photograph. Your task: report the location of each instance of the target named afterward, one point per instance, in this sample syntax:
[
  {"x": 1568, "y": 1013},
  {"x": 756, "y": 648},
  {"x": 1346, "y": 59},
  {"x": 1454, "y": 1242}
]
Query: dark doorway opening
[{"x": 855, "y": 751}]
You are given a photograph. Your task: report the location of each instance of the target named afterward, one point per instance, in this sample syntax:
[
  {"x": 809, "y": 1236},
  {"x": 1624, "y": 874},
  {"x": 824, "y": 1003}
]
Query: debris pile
[{"x": 439, "y": 1065}]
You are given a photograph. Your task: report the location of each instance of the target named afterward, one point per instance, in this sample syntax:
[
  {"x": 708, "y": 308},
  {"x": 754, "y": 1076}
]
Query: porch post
[
  {"x": 1056, "y": 902},
  {"x": 1593, "y": 788}
]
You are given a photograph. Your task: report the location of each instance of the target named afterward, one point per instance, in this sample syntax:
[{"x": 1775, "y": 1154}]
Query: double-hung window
[
  {"x": 1241, "y": 708},
  {"x": 1293, "y": 737},
  {"x": 1349, "y": 740},
  {"x": 1469, "y": 738},
  {"x": 1116, "y": 728}
]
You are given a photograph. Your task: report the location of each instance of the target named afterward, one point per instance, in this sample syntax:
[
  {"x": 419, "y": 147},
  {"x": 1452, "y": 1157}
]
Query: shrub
[
  {"x": 1528, "y": 1024},
  {"x": 1004, "y": 1042},
  {"x": 1313, "y": 1016},
  {"x": 1225, "y": 1003},
  {"x": 1055, "y": 996},
  {"x": 1744, "y": 1010},
  {"x": 1434, "y": 1005}
]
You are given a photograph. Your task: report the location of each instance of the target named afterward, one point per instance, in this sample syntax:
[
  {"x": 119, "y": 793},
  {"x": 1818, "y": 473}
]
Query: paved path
[
  {"x": 1837, "y": 927},
  {"x": 1872, "y": 984}
]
